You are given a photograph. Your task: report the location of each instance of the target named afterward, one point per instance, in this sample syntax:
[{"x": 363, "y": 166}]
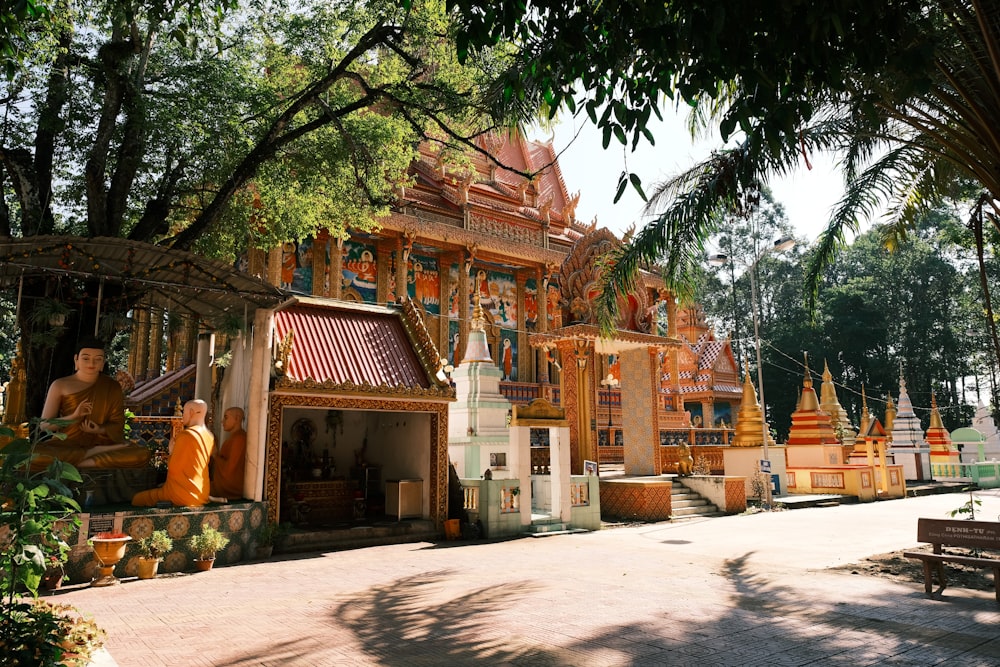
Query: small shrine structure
[
  {"x": 938, "y": 438},
  {"x": 908, "y": 447}
]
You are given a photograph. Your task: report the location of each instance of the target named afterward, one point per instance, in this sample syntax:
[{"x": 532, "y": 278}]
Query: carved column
[
  {"x": 139, "y": 345},
  {"x": 447, "y": 284},
  {"x": 257, "y": 263},
  {"x": 155, "y": 343},
  {"x": 523, "y": 354},
  {"x": 383, "y": 266},
  {"x": 576, "y": 397},
  {"x": 402, "y": 266},
  {"x": 274, "y": 266},
  {"x": 640, "y": 410},
  {"x": 465, "y": 286},
  {"x": 337, "y": 269},
  {"x": 541, "y": 326},
  {"x": 321, "y": 244}
]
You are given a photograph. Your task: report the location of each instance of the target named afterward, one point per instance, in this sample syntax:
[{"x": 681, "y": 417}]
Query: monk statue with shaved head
[{"x": 187, "y": 470}]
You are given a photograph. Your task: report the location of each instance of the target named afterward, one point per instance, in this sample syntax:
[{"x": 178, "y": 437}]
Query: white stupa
[
  {"x": 908, "y": 446},
  {"x": 478, "y": 434}
]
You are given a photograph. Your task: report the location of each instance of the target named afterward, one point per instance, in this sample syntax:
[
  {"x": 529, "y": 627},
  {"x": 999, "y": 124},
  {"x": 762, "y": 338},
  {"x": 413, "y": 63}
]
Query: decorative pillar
[
  {"x": 523, "y": 356},
  {"x": 337, "y": 269},
  {"x": 465, "y": 286},
  {"x": 274, "y": 266},
  {"x": 155, "y": 343},
  {"x": 321, "y": 245},
  {"x": 640, "y": 412},
  {"x": 447, "y": 284},
  {"x": 138, "y": 357},
  {"x": 257, "y": 263},
  {"x": 383, "y": 265},
  {"x": 576, "y": 391},
  {"x": 403, "y": 247},
  {"x": 541, "y": 326}
]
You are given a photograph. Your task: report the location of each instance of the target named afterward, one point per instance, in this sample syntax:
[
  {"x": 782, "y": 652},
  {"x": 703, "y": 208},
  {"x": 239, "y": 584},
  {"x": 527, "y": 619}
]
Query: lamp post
[
  {"x": 610, "y": 383},
  {"x": 779, "y": 245}
]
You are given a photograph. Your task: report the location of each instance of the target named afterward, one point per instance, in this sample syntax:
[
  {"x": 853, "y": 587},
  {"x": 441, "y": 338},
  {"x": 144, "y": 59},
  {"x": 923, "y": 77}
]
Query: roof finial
[{"x": 807, "y": 381}]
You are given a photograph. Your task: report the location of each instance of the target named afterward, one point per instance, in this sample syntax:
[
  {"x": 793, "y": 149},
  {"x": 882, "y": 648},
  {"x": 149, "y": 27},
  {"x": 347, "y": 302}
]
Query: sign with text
[{"x": 765, "y": 465}]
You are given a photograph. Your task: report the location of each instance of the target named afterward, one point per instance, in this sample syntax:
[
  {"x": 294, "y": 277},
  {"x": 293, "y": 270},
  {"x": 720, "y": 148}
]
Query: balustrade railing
[{"x": 984, "y": 474}]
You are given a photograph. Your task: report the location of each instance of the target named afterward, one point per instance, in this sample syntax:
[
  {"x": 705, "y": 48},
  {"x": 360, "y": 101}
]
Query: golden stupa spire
[
  {"x": 807, "y": 401},
  {"x": 866, "y": 417},
  {"x": 830, "y": 404},
  {"x": 890, "y": 414},
  {"x": 935, "y": 413},
  {"x": 478, "y": 318},
  {"x": 750, "y": 419}
]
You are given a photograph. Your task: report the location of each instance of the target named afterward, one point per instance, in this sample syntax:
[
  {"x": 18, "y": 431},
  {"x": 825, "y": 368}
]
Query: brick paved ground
[{"x": 742, "y": 590}]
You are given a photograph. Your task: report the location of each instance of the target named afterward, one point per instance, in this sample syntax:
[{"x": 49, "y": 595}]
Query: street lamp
[
  {"x": 779, "y": 245},
  {"x": 610, "y": 383}
]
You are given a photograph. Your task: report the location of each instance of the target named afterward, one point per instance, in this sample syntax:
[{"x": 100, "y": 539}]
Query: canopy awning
[{"x": 173, "y": 279}]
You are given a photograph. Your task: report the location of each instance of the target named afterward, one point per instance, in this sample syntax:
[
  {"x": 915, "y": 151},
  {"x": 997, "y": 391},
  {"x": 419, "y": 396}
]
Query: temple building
[{"x": 483, "y": 233}]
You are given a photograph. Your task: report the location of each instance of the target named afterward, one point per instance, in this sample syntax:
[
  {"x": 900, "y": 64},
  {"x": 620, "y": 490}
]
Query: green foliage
[
  {"x": 39, "y": 634},
  {"x": 37, "y": 513},
  {"x": 156, "y": 544},
  {"x": 208, "y": 541},
  {"x": 269, "y": 533},
  {"x": 968, "y": 509},
  {"x": 39, "y": 508}
]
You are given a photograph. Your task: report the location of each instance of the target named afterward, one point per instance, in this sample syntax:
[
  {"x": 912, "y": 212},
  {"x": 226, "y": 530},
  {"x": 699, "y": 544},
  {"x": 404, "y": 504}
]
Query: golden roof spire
[
  {"x": 750, "y": 419},
  {"x": 890, "y": 414},
  {"x": 866, "y": 417},
  {"x": 807, "y": 381},
  {"x": 935, "y": 413},
  {"x": 478, "y": 318}
]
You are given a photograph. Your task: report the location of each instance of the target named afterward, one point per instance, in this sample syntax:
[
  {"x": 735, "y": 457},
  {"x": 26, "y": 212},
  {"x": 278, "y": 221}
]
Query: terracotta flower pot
[
  {"x": 108, "y": 549},
  {"x": 203, "y": 564},
  {"x": 147, "y": 568}
]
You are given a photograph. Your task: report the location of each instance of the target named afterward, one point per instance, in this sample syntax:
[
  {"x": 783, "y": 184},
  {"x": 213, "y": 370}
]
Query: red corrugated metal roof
[{"x": 366, "y": 347}]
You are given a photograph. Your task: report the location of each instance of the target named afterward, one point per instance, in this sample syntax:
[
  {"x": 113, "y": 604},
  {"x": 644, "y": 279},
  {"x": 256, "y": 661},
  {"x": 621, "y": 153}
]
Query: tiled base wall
[
  {"x": 622, "y": 501},
  {"x": 238, "y": 521}
]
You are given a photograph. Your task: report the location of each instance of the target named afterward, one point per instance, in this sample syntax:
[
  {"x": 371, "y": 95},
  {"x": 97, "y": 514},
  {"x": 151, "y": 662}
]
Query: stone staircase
[{"x": 686, "y": 504}]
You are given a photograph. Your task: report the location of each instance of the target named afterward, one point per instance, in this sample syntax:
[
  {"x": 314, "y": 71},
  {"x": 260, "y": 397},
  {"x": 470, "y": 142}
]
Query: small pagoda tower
[
  {"x": 829, "y": 404},
  {"x": 938, "y": 439},
  {"x": 743, "y": 458},
  {"x": 908, "y": 447},
  {"x": 478, "y": 435},
  {"x": 812, "y": 441},
  {"x": 750, "y": 419},
  {"x": 870, "y": 450}
]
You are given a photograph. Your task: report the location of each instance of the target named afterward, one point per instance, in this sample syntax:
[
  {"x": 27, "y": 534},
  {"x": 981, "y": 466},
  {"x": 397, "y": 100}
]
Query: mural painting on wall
[
  {"x": 359, "y": 272},
  {"x": 453, "y": 338},
  {"x": 723, "y": 415},
  {"x": 424, "y": 283},
  {"x": 296, "y": 266},
  {"x": 694, "y": 409},
  {"x": 554, "y": 296},
  {"x": 498, "y": 294},
  {"x": 508, "y": 355},
  {"x": 531, "y": 304}
]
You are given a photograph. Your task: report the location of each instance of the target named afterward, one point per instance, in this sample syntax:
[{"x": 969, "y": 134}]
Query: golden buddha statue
[{"x": 90, "y": 408}]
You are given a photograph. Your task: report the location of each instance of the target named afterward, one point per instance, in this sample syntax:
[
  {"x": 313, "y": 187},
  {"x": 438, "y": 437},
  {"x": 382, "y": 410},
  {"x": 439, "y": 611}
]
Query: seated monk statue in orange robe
[
  {"x": 228, "y": 464},
  {"x": 187, "y": 470},
  {"x": 93, "y": 405}
]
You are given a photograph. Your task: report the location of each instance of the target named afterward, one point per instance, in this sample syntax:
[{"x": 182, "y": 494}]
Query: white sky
[{"x": 807, "y": 195}]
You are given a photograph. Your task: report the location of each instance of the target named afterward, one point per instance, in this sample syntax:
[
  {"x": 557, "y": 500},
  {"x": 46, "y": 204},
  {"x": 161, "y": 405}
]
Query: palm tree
[{"x": 906, "y": 139}]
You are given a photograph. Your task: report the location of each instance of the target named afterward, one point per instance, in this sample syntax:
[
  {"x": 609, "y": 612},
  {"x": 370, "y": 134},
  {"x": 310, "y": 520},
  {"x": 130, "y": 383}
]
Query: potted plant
[
  {"x": 52, "y": 579},
  {"x": 151, "y": 551},
  {"x": 265, "y": 537},
  {"x": 109, "y": 548},
  {"x": 205, "y": 544}
]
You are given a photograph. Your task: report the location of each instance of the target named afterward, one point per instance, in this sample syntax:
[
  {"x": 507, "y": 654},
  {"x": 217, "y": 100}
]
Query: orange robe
[
  {"x": 108, "y": 410},
  {"x": 227, "y": 470},
  {"x": 187, "y": 472}
]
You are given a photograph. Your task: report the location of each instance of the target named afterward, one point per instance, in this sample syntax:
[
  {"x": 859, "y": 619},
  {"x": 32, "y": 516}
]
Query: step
[{"x": 546, "y": 527}]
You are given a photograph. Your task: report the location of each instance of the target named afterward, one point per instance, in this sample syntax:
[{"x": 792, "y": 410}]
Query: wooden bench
[{"x": 956, "y": 533}]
